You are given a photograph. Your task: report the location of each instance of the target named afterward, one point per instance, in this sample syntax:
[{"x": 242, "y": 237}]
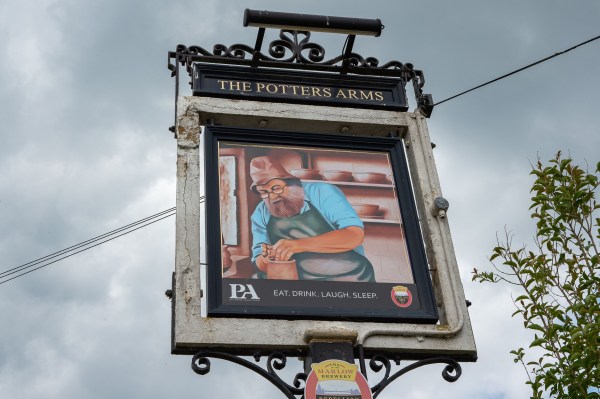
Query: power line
[
  {"x": 76, "y": 246},
  {"x": 518, "y": 70},
  {"x": 84, "y": 249},
  {"x": 85, "y": 245}
]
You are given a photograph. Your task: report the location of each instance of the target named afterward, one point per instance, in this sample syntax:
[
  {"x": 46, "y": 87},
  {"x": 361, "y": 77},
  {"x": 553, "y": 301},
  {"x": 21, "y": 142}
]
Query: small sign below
[
  {"x": 306, "y": 88},
  {"x": 336, "y": 379}
]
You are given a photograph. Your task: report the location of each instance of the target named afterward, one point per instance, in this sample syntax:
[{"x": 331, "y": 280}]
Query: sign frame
[
  {"x": 362, "y": 301},
  {"x": 193, "y": 331}
]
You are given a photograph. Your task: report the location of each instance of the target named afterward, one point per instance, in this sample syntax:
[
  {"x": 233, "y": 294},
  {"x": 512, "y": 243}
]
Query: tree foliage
[{"x": 558, "y": 281}]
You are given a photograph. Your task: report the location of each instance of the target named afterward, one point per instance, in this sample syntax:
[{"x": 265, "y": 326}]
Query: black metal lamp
[{"x": 313, "y": 23}]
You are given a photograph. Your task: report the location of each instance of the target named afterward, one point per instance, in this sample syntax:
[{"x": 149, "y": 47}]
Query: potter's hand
[
  {"x": 262, "y": 260},
  {"x": 284, "y": 249},
  {"x": 266, "y": 251}
]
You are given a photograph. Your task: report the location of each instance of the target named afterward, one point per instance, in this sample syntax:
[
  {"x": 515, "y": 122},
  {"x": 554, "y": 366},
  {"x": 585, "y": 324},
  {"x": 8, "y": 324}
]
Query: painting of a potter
[
  {"x": 312, "y": 226},
  {"x": 311, "y": 223}
]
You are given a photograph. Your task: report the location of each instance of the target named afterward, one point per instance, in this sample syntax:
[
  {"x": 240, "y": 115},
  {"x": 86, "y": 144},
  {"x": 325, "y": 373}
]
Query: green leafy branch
[{"x": 559, "y": 281}]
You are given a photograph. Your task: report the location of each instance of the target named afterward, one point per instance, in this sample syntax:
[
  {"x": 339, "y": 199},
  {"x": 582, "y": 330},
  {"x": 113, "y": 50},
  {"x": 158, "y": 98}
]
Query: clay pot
[
  {"x": 307, "y": 174},
  {"x": 282, "y": 270},
  {"x": 370, "y": 177},
  {"x": 366, "y": 209},
  {"x": 336, "y": 175}
]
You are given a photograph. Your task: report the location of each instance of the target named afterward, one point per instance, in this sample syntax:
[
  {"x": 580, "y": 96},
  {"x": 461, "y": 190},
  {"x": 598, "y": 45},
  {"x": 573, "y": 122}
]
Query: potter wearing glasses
[{"x": 309, "y": 224}]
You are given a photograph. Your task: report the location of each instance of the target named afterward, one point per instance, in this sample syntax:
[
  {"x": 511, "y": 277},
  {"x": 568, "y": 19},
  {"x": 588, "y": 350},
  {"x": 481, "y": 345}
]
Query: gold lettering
[
  {"x": 366, "y": 96},
  {"x": 283, "y": 87},
  {"x": 299, "y": 90},
  {"x": 234, "y": 86},
  {"x": 271, "y": 88}
]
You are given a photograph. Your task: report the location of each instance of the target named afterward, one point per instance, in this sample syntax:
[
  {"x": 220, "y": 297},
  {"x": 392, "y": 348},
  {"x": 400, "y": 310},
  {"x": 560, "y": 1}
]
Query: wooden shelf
[
  {"x": 351, "y": 183},
  {"x": 366, "y": 185},
  {"x": 381, "y": 221}
]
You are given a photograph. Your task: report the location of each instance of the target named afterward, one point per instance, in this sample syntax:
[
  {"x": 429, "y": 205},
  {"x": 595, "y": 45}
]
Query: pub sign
[
  {"x": 317, "y": 226},
  {"x": 309, "y": 224}
]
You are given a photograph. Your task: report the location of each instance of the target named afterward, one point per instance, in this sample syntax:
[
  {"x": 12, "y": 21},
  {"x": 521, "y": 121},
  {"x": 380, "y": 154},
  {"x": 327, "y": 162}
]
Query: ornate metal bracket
[
  {"x": 451, "y": 372},
  {"x": 277, "y": 361},
  {"x": 294, "y": 50}
]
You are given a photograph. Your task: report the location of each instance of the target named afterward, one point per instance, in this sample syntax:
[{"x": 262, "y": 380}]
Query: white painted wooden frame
[{"x": 451, "y": 336}]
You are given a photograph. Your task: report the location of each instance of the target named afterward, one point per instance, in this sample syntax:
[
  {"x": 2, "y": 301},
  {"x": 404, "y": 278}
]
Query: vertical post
[
  {"x": 347, "y": 53},
  {"x": 259, "y": 40},
  {"x": 436, "y": 232},
  {"x": 187, "y": 222}
]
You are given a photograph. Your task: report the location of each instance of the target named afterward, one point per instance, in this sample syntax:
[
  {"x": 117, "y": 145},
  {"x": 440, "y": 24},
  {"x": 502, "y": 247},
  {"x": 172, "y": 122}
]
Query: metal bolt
[
  {"x": 345, "y": 129},
  {"x": 263, "y": 123},
  {"x": 441, "y": 206},
  {"x": 441, "y": 203}
]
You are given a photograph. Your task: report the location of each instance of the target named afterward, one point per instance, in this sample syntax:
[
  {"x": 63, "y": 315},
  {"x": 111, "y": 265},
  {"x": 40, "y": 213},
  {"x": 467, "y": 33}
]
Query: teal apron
[{"x": 342, "y": 266}]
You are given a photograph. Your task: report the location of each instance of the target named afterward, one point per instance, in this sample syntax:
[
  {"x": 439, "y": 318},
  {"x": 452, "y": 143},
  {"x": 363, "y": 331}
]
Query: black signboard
[
  {"x": 299, "y": 87},
  {"x": 312, "y": 226}
]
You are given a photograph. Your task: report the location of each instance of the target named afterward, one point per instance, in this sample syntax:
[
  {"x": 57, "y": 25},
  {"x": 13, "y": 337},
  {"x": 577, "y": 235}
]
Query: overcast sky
[{"x": 86, "y": 104}]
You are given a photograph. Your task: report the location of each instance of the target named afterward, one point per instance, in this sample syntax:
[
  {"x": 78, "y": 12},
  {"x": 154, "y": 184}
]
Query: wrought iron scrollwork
[
  {"x": 276, "y": 361},
  {"x": 450, "y": 373},
  {"x": 292, "y": 47},
  {"x": 295, "y": 42},
  {"x": 294, "y": 50}
]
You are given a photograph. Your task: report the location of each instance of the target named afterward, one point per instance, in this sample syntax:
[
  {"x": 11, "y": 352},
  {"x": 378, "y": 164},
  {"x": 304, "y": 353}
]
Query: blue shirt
[{"x": 329, "y": 200}]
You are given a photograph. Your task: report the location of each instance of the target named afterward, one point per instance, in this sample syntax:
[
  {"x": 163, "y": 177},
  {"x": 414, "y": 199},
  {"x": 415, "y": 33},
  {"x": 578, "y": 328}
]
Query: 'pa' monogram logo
[{"x": 243, "y": 291}]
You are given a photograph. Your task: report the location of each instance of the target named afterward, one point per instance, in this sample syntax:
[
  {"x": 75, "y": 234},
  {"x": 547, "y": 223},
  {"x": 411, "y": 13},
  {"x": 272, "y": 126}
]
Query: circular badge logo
[
  {"x": 336, "y": 379},
  {"x": 401, "y": 296}
]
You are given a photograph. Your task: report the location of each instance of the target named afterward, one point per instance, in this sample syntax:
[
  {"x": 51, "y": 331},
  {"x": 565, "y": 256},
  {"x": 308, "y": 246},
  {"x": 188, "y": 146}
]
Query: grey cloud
[{"x": 86, "y": 103}]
